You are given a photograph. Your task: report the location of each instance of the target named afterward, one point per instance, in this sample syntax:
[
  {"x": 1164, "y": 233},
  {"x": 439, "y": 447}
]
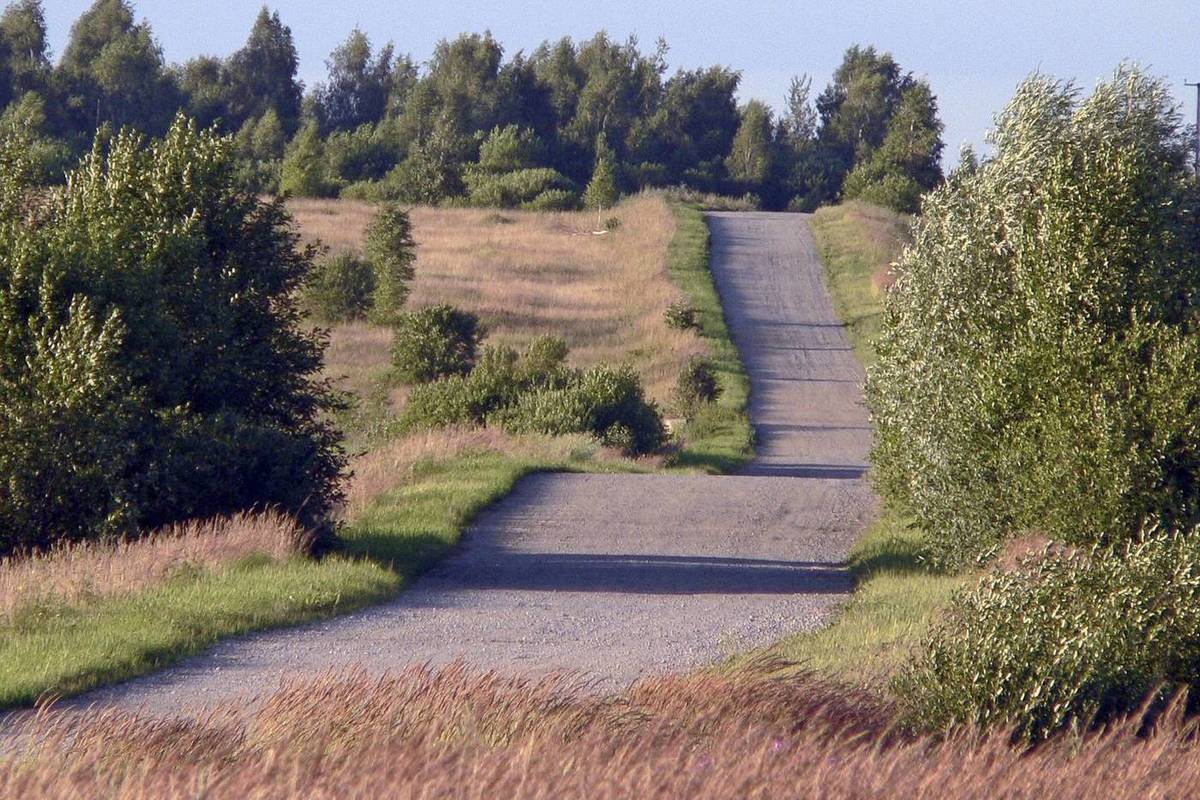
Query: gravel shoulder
[{"x": 618, "y": 576}]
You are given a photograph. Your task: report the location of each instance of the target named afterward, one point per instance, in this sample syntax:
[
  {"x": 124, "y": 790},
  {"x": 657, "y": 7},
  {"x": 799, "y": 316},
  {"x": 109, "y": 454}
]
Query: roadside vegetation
[{"x": 456, "y": 733}]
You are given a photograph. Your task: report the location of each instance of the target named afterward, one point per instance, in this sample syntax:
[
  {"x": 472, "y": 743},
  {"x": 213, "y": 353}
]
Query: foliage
[
  {"x": 602, "y": 189},
  {"x": 696, "y": 386},
  {"x": 392, "y": 252},
  {"x": 151, "y": 337},
  {"x": 358, "y": 87},
  {"x": 435, "y": 342},
  {"x": 681, "y": 316},
  {"x": 1036, "y": 368},
  {"x": 749, "y": 159},
  {"x": 304, "y": 172},
  {"x": 553, "y": 200},
  {"x": 340, "y": 289},
  {"x": 516, "y": 188},
  {"x": 907, "y": 162},
  {"x": 1063, "y": 640},
  {"x": 604, "y": 401}
]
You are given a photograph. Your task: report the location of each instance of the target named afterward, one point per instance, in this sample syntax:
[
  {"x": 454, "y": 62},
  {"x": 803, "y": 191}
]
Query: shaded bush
[
  {"x": 696, "y": 385},
  {"x": 1037, "y": 360},
  {"x": 340, "y": 289},
  {"x": 512, "y": 189},
  {"x": 434, "y": 343},
  {"x": 1063, "y": 640},
  {"x": 155, "y": 366}
]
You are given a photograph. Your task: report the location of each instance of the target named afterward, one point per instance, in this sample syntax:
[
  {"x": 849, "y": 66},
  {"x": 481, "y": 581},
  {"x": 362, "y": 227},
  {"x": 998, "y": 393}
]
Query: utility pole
[{"x": 1197, "y": 85}]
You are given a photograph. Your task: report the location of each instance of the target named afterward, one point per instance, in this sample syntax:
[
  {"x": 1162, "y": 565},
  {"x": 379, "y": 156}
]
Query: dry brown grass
[
  {"x": 453, "y": 733},
  {"x": 531, "y": 274},
  {"x": 81, "y": 572}
]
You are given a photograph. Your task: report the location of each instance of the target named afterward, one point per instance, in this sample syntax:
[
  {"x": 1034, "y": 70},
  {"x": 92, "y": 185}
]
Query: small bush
[
  {"x": 604, "y": 401},
  {"x": 1063, "y": 641},
  {"x": 340, "y": 289},
  {"x": 434, "y": 343},
  {"x": 697, "y": 385},
  {"x": 496, "y": 218},
  {"x": 512, "y": 189},
  {"x": 681, "y": 316},
  {"x": 612, "y": 223}
]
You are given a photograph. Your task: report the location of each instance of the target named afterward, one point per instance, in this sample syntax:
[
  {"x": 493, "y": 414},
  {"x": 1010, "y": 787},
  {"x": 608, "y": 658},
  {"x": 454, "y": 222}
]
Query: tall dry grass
[
  {"x": 81, "y": 572},
  {"x": 453, "y": 733},
  {"x": 527, "y": 274}
]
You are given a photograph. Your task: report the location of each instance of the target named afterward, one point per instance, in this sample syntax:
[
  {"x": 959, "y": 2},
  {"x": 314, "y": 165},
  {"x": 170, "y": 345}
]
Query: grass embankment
[
  {"x": 410, "y": 498},
  {"x": 897, "y": 593}
]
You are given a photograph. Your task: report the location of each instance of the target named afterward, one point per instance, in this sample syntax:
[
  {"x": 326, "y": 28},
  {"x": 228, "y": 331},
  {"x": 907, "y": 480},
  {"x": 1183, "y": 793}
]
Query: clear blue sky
[{"x": 973, "y": 53}]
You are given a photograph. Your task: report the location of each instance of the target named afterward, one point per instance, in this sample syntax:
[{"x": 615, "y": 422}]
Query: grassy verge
[
  {"x": 63, "y": 649},
  {"x": 719, "y": 439},
  {"x": 857, "y": 243},
  {"x": 897, "y": 594}
]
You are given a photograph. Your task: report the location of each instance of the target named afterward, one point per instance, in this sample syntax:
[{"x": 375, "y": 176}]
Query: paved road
[{"x": 619, "y": 575}]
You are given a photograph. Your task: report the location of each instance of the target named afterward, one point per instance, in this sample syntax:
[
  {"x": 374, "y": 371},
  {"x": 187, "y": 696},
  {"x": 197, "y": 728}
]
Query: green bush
[
  {"x": 1037, "y": 359},
  {"x": 696, "y": 385},
  {"x": 512, "y": 189},
  {"x": 340, "y": 289},
  {"x": 553, "y": 200},
  {"x": 392, "y": 252},
  {"x": 435, "y": 342},
  {"x": 155, "y": 365},
  {"x": 1063, "y": 641},
  {"x": 680, "y": 316},
  {"x": 604, "y": 401},
  {"x": 496, "y": 382}
]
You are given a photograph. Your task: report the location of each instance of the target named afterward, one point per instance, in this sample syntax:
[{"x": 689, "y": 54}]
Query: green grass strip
[{"x": 720, "y": 438}]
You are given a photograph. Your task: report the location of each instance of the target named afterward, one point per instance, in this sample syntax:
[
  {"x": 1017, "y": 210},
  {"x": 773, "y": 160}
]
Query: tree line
[{"x": 471, "y": 125}]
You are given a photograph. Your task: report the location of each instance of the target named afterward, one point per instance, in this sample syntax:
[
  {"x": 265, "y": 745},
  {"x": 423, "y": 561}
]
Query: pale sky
[{"x": 973, "y": 53}]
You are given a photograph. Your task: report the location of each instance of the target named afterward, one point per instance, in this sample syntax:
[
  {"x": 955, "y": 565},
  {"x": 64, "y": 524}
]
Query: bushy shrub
[
  {"x": 696, "y": 385},
  {"x": 304, "y": 172},
  {"x": 512, "y": 189},
  {"x": 340, "y": 289},
  {"x": 605, "y": 401},
  {"x": 681, "y": 316},
  {"x": 496, "y": 382},
  {"x": 155, "y": 366},
  {"x": 1037, "y": 360},
  {"x": 553, "y": 200},
  {"x": 612, "y": 223},
  {"x": 435, "y": 342},
  {"x": 392, "y": 253},
  {"x": 1063, "y": 640}
]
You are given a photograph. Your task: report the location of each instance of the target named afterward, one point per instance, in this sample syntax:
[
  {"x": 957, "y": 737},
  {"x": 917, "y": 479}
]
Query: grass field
[
  {"x": 898, "y": 594},
  {"x": 77, "y": 619}
]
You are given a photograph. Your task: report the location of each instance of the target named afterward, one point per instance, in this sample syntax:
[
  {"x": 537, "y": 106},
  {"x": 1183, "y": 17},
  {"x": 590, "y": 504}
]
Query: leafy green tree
[
  {"x": 262, "y": 75},
  {"x": 392, "y": 253},
  {"x": 153, "y": 346},
  {"x": 692, "y": 129},
  {"x": 602, "y": 190},
  {"x": 305, "y": 172},
  {"x": 749, "y": 160},
  {"x": 200, "y": 82},
  {"x": 1038, "y": 355},
  {"x": 908, "y": 162},
  {"x": 358, "y": 87},
  {"x": 113, "y": 69},
  {"x": 26, "y": 55}
]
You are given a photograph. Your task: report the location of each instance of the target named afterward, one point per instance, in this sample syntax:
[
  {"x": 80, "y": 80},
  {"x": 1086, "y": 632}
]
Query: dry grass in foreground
[
  {"x": 526, "y": 274},
  {"x": 84, "y": 572},
  {"x": 453, "y": 733}
]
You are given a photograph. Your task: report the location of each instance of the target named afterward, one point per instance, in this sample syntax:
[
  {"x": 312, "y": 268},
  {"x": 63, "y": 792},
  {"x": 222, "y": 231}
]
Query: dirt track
[{"x": 617, "y": 575}]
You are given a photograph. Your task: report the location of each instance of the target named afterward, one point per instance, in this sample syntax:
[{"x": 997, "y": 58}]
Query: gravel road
[{"x": 620, "y": 575}]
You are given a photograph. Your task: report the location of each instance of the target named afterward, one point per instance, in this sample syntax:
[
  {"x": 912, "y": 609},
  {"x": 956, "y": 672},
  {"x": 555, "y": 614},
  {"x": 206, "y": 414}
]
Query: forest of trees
[{"x": 470, "y": 126}]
